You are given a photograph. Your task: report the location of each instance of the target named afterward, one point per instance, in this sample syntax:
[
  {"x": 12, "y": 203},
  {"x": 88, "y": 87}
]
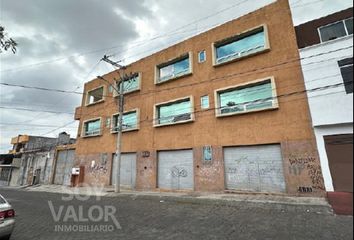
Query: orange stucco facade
[{"x": 288, "y": 125}]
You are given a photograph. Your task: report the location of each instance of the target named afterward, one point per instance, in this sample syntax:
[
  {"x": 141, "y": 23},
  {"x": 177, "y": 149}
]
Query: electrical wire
[
  {"x": 188, "y": 85},
  {"x": 31, "y": 125},
  {"x": 35, "y": 110},
  {"x": 233, "y": 74},
  {"x": 306, "y": 4},
  {"x": 278, "y": 97},
  {"x": 93, "y": 68},
  {"x": 140, "y": 43},
  {"x": 122, "y": 45}
]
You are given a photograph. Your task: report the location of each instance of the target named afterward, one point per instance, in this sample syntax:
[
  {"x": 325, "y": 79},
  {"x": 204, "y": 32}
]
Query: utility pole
[{"x": 120, "y": 92}]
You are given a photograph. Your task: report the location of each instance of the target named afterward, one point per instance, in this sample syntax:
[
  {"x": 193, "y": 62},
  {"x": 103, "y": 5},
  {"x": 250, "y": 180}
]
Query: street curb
[
  {"x": 241, "y": 204},
  {"x": 311, "y": 205},
  {"x": 15, "y": 188}
]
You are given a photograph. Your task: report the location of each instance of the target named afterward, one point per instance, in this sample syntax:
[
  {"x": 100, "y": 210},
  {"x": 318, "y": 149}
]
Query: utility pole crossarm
[{"x": 116, "y": 64}]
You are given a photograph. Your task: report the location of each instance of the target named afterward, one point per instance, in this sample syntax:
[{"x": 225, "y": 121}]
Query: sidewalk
[{"x": 313, "y": 203}]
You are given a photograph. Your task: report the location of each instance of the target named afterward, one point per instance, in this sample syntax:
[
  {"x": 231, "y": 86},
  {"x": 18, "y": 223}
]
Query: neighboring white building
[{"x": 326, "y": 50}]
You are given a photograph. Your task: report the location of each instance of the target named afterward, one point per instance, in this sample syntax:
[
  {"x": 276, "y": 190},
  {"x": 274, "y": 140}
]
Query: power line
[
  {"x": 246, "y": 73},
  {"x": 24, "y": 124},
  {"x": 143, "y": 42},
  {"x": 294, "y": 3},
  {"x": 205, "y": 28},
  {"x": 201, "y": 112},
  {"x": 212, "y": 109},
  {"x": 71, "y": 122},
  {"x": 305, "y": 4},
  {"x": 219, "y": 78},
  {"x": 78, "y": 87},
  {"x": 204, "y": 18},
  {"x": 65, "y": 125},
  {"x": 258, "y": 91},
  {"x": 249, "y": 93},
  {"x": 168, "y": 89},
  {"x": 213, "y": 79},
  {"x": 22, "y": 130},
  {"x": 27, "y": 104},
  {"x": 323, "y": 88},
  {"x": 59, "y": 102},
  {"x": 39, "y": 88},
  {"x": 122, "y": 45},
  {"x": 34, "y": 110}
]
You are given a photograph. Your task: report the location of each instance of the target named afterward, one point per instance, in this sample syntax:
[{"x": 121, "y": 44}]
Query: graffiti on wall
[
  {"x": 145, "y": 154},
  {"x": 256, "y": 167},
  {"x": 297, "y": 169},
  {"x": 301, "y": 162},
  {"x": 315, "y": 173},
  {"x": 98, "y": 167},
  {"x": 179, "y": 172},
  {"x": 305, "y": 189},
  {"x": 301, "y": 159}
]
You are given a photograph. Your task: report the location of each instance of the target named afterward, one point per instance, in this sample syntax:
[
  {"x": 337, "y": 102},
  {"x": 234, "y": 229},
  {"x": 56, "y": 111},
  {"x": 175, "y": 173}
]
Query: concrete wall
[
  {"x": 40, "y": 142},
  {"x": 44, "y": 162},
  {"x": 14, "y": 177},
  {"x": 290, "y": 123},
  {"x": 98, "y": 167},
  {"x": 30, "y": 162}
]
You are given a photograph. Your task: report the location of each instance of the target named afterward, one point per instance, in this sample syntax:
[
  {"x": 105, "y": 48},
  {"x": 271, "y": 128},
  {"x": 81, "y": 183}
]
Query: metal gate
[
  {"x": 127, "y": 171},
  {"x": 175, "y": 170},
  {"x": 63, "y": 168},
  {"x": 254, "y": 168}
]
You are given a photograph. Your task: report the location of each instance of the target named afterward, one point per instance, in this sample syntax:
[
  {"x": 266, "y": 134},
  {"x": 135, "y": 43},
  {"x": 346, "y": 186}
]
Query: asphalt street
[{"x": 48, "y": 216}]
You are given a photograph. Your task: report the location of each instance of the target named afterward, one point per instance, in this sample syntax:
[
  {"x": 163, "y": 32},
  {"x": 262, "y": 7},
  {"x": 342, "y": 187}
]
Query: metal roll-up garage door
[
  {"x": 127, "y": 170},
  {"x": 254, "y": 168},
  {"x": 63, "y": 168},
  {"x": 175, "y": 170}
]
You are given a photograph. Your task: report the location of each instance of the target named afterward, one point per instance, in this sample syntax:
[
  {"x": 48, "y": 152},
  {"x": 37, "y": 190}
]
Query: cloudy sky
[{"x": 61, "y": 42}]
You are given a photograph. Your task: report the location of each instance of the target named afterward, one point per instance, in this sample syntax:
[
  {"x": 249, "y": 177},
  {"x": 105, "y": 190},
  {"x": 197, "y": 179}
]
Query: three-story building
[{"x": 224, "y": 110}]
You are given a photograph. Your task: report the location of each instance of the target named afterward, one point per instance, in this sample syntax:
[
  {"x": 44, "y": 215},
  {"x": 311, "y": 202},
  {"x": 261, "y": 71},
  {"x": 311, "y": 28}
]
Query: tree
[{"x": 6, "y": 43}]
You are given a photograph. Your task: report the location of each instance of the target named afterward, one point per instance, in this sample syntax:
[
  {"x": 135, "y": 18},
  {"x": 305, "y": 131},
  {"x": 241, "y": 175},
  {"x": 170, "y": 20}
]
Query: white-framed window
[
  {"x": 336, "y": 30},
  {"x": 92, "y": 128},
  {"x": 204, "y": 102},
  {"x": 202, "y": 56},
  {"x": 249, "y": 97},
  {"x": 95, "y": 96},
  {"x": 174, "y": 112},
  {"x": 130, "y": 121},
  {"x": 245, "y": 44},
  {"x": 131, "y": 84},
  {"x": 174, "y": 69}
]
